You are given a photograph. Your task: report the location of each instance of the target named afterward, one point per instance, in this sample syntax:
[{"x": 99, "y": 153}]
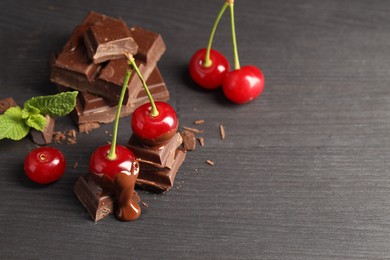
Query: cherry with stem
[
  {"x": 242, "y": 84},
  {"x": 207, "y": 66},
  {"x": 115, "y": 168}
]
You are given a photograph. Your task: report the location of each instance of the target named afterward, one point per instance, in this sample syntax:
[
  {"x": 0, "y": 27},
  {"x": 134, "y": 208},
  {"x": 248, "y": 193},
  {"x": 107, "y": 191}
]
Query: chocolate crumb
[
  {"x": 210, "y": 162},
  {"x": 58, "y": 136},
  {"x": 193, "y": 130},
  {"x": 201, "y": 141},
  {"x": 72, "y": 133},
  {"x": 75, "y": 165},
  {"x": 189, "y": 141},
  {"x": 199, "y": 122},
  {"x": 222, "y": 131},
  {"x": 145, "y": 204},
  {"x": 71, "y": 140}
]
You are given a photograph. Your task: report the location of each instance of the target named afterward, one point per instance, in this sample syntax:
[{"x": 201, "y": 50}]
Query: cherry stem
[
  {"x": 111, "y": 154},
  {"x": 154, "y": 112},
  {"x": 207, "y": 61},
  {"x": 235, "y": 51}
]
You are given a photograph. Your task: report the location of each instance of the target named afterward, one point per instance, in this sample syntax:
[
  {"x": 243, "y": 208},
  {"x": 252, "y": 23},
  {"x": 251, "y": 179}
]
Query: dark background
[{"x": 302, "y": 174}]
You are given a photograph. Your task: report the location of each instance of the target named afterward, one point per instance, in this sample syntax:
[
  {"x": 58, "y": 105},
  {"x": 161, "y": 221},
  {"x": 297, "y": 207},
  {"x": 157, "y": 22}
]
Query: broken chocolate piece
[
  {"x": 46, "y": 136},
  {"x": 108, "y": 40},
  {"x": 189, "y": 140},
  {"x": 160, "y": 155},
  {"x": 6, "y": 103},
  {"x": 160, "y": 179},
  {"x": 150, "y": 45},
  {"x": 98, "y": 204}
]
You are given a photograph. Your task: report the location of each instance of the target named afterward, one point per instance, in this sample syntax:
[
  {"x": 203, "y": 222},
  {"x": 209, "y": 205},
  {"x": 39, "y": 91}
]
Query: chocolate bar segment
[
  {"x": 46, "y": 136},
  {"x": 160, "y": 179},
  {"x": 159, "y": 156},
  {"x": 98, "y": 204},
  {"x": 109, "y": 39},
  {"x": 150, "y": 45}
]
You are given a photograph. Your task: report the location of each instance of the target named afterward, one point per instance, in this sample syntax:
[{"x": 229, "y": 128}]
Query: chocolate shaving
[
  {"x": 209, "y": 162},
  {"x": 222, "y": 131},
  {"x": 199, "y": 122},
  {"x": 193, "y": 130},
  {"x": 75, "y": 165},
  {"x": 58, "y": 136},
  {"x": 201, "y": 141},
  {"x": 145, "y": 204}
]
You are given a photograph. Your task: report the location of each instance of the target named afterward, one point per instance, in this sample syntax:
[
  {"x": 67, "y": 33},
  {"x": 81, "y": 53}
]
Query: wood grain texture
[{"x": 302, "y": 174}]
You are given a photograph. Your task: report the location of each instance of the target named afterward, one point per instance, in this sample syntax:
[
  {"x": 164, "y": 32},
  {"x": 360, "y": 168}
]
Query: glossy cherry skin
[
  {"x": 44, "y": 165},
  {"x": 244, "y": 84},
  {"x": 100, "y": 164},
  {"x": 210, "y": 77},
  {"x": 154, "y": 129}
]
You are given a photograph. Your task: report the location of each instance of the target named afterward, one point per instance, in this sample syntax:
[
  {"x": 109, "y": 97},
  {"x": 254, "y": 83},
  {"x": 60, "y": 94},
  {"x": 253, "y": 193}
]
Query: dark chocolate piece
[
  {"x": 98, "y": 204},
  {"x": 108, "y": 40},
  {"x": 160, "y": 155},
  {"x": 6, "y": 103},
  {"x": 46, "y": 136},
  {"x": 72, "y": 68},
  {"x": 160, "y": 179},
  {"x": 150, "y": 45},
  {"x": 189, "y": 140}
]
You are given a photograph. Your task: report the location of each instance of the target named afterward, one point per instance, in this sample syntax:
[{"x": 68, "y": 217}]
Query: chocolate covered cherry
[
  {"x": 154, "y": 129},
  {"x": 44, "y": 165},
  {"x": 117, "y": 176}
]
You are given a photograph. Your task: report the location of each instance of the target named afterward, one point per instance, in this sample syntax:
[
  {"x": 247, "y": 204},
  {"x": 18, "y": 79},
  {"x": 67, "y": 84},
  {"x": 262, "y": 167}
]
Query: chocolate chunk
[
  {"x": 160, "y": 179},
  {"x": 72, "y": 67},
  {"x": 46, "y": 136},
  {"x": 108, "y": 40},
  {"x": 98, "y": 204},
  {"x": 150, "y": 45},
  {"x": 160, "y": 155},
  {"x": 189, "y": 140}
]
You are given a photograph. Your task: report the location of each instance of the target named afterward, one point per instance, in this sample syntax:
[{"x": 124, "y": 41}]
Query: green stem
[
  {"x": 236, "y": 60},
  {"x": 112, "y": 155},
  {"x": 154, "y": 112},
  {"x": 207, "y": 61}
]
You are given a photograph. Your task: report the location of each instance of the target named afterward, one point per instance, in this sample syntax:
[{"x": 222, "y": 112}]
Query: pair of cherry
[{"x": 210, "y": 69}]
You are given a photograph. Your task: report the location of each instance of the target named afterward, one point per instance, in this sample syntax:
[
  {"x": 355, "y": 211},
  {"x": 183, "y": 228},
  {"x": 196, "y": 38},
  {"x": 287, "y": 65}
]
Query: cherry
[
  {"x": 244, "y": 84},
  {"x": 44, "y": 165},
  {"x": 208, "y": 67},
  {"x": 154, "y": 129},
  {"x": 100, "y": 164},
  {"x": 115, "y": 169},
  {"x": 208, "y": 76}
]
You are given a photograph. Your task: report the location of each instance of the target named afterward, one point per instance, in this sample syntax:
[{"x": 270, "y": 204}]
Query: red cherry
[
  {"x": 154, "y": 129},
  {"x": 44, "y": 165},
  {"x": 210, "y": 77},
  {"x": 244, "y": 84},
  {"x": 100, "y": 164}
]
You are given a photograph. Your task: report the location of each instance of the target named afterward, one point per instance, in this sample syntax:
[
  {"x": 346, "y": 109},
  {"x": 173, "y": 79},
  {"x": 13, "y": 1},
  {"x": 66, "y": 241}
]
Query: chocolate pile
[{"x": 92, "y": 62}]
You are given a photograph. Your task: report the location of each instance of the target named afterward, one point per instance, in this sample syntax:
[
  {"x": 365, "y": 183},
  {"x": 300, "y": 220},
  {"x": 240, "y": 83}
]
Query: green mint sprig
[{"x": 15, "y": 123}]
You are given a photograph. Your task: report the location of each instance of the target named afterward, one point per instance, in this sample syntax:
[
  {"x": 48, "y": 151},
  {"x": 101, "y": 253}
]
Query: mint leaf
[
  {"x": 36, "y": 121},
  {"x": 12, "y": 125},
  {"x": 54, "y": 105}
]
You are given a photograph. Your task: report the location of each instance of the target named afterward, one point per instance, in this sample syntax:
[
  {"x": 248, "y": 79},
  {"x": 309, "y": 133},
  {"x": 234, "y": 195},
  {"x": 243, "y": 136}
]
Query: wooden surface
[{"x": 304, "y": 171}]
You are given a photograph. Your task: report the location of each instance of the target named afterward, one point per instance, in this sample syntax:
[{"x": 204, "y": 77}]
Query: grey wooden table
[{"x": 304, "y": 171}]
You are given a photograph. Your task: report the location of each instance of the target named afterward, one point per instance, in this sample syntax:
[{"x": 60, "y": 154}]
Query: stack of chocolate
[{"x": 93, "y": 62}]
